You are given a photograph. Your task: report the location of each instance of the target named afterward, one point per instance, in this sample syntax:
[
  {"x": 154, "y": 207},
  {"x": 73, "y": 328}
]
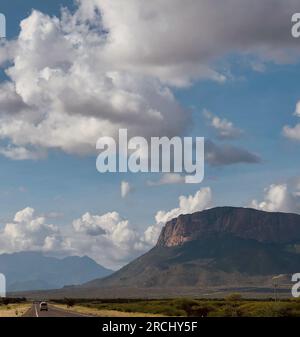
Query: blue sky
[{"x": 260, "y": 102}]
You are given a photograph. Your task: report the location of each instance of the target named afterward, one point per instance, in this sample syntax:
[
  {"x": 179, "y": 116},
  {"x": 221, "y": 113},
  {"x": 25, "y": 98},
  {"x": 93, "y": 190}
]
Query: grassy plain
[{"x": 232, "y": 306}]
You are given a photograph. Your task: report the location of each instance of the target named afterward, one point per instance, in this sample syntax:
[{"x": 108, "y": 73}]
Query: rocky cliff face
[{"x": 244, "y": 223}]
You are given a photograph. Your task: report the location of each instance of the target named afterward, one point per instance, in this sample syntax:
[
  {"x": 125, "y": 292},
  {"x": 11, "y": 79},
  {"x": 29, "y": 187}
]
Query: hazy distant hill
[
  {"x": 34, "y": 271},
  {"x": 224, "y": 246}
]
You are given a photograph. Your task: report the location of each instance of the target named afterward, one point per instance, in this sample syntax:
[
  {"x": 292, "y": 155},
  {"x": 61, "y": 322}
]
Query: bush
[
  {"x": 69, "y": 302},
  {"x": 201, "y": 310},
  {"x": 6, "y": 301},
  {"x": 235, "y": 297},
  {"x": 186, "y": 305}
]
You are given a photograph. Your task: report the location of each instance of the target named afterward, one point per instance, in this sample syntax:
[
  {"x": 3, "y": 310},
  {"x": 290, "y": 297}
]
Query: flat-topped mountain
[
  {"x": 219, "y": 247},
  {"x": 244, "y": 223}
]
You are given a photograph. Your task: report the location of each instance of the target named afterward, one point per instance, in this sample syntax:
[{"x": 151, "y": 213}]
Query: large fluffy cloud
[
  {"x": 111, "y": 225},
  {"x": 177, "y": 40},
  {"x": 30, "y": 232},
  {"x": 108, "y": 238},
  {"x": 65, "y": 93},
  {"x": 112, "y": 64},
  {"x": 187, "y": 204}
]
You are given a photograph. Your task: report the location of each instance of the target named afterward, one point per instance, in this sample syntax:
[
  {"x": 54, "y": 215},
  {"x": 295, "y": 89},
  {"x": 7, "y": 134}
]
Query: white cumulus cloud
[
  {"x": 293, "y": 132},
  {"x": 109, "y": 239},
  {"x": 28, "y": 232},
  {"x": 224, "y": 128},
  {"x": 187, "y": 204},
  {"x": 67, "y": 96},
  {"x": 112, "y": 64},
  {"x": 278, "y": 198}
]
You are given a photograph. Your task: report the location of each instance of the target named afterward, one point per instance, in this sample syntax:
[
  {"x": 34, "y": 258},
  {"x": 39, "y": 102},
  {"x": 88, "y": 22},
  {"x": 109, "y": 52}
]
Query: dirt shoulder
[{"x": 103, "y": 313}]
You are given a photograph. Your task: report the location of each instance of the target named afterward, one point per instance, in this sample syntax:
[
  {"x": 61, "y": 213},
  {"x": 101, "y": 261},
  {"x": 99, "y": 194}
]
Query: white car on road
[{"x": 43, "y": 306}]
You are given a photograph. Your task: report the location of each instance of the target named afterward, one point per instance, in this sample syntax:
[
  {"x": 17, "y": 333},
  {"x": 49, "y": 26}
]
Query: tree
[
  {"x": 6, "y": 301},
  {"x": 70, "y": 302}
]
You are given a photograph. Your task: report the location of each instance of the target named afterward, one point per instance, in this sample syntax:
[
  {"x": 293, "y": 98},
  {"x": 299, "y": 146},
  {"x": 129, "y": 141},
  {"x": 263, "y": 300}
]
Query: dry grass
[
  {"x": 13, "y": 310},
  {"x": 103, "y": 312}
]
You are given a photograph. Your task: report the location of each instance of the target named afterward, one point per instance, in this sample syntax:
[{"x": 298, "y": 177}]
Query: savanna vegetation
[
  {"x": 231, "y": 306},
  {"x": 13, "y": 307}
]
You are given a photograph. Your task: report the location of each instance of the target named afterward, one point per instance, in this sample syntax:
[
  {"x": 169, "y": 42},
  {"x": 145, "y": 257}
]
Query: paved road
[{"x": 34, "y": 311}]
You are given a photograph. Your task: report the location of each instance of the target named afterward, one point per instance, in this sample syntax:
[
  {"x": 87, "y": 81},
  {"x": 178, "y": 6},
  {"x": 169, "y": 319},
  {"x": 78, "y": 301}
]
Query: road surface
[{"x": 34, "y": 311}]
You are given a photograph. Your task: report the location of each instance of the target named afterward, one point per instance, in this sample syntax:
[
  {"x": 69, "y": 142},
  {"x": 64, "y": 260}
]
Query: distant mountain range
[
  {"x": 219, "y": 247},
  {"x": 34, "y": 271}
]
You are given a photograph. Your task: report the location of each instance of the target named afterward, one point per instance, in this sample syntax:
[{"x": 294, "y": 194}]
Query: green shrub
[{"x": 234, "y": 297}]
